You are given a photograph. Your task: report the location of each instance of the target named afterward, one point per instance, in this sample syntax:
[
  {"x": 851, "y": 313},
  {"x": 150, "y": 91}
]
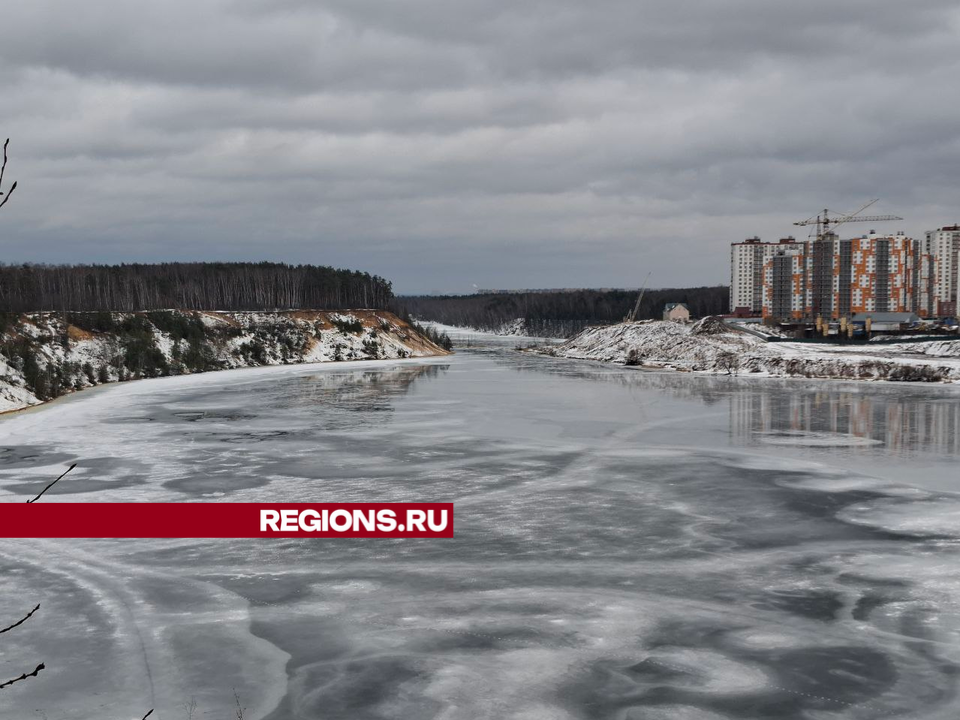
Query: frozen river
[{"x": 628, "y": 545}]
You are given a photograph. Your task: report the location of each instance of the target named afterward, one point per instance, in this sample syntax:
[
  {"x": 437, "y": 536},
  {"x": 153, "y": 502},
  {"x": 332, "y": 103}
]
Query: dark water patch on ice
[
  {"x": 822, "y": 505},
  {"x": 649, "y": 671},
  {"x": 129, "y": 419},
  {"x": 244, "y": 438},
  {"x": 309, "y": 639},
  {"x": 28, "y": 456},
  {"x": 374, "y": 688},
  {"x": 93, "y": 474},
  {"x": 270, "y": 589},
  {"x": 484, "y": 639},
  {"x": 814, "y": 604},
  {"x": 218, "y": 481},
  {"x": 166, "y": 415},
  {"x": 207, "y": 415},
  {"x": 891, "y": 584},
  {"x": 851, "y": 674},
  {"x": 78, "y": 485}
]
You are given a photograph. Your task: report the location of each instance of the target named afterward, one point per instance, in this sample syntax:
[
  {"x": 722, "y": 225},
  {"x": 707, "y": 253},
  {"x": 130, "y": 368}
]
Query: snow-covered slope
[
  {"x": 43, "y": 355},
  {"x": 710, "y": 346}
]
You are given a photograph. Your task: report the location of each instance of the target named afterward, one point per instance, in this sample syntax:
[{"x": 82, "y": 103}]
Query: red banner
[{"x": 225, "y": 520}]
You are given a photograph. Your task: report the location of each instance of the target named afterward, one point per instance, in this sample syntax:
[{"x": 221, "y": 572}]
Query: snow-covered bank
[
  {"x": 518, "y": 327},
  {"x": 472, "y": 336},
  {"x": 455, "y": 330},
  {"x": 710, "y": 346},
  {"x": 514, "y": 328},
  {"x": 44, "y": 355}
]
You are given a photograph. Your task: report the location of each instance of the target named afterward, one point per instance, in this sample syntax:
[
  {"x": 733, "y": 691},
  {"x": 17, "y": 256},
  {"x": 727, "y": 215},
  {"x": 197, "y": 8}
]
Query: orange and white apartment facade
[{"x": 833, "y": 278}]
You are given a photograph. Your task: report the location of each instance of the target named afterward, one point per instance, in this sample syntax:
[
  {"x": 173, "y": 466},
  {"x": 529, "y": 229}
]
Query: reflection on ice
[
  {"x": 905, "y": 421},
  {"x": 814, "y": 439},
  {"x": 629, "y": 545}
]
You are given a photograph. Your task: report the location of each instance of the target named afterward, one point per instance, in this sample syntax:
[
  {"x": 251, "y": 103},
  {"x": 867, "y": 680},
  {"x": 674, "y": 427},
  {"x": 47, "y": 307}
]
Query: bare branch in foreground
[
  {"x": 36, "y": 672},
  {"x": 149, "y": 713},
  {"x": 9, "y": 193},
  {"x": 52, "y": 484},
  {"x": 21, "y": 621},
  {"x": 3, "y": 169}
]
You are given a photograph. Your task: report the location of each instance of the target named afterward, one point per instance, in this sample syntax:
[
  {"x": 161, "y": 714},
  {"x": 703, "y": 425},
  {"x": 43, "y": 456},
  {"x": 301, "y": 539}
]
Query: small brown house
[{"x": 676, "y": 312}]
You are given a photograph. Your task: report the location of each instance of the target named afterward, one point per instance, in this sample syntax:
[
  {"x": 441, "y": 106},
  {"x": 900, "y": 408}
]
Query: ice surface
[{"x": 628, "y": 545}]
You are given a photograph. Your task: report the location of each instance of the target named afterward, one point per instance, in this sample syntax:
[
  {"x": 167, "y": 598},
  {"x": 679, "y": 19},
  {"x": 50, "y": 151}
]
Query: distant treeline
[
  {"x": 559, "y": 314},
  {"x": 188, "y": 286}
]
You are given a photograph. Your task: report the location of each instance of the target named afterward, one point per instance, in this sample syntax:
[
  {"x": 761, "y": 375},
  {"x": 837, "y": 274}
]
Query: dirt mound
[{"x": 710, "y": 325}]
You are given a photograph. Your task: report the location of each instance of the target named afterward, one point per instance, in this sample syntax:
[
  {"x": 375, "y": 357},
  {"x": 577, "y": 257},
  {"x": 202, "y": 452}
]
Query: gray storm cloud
[{"x": 442, "y": 144}]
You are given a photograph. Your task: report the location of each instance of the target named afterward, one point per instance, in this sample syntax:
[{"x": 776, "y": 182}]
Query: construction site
[{"x": 847, "y": 289}]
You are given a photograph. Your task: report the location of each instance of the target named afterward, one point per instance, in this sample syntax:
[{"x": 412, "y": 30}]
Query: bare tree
[{"x": 728, "y": 361}]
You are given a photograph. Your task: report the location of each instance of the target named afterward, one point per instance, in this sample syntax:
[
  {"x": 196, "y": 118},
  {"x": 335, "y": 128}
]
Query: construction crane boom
[
  {"x": 824, "y": 222},
  {"x": 636, "y": 308},
  {"x": 865, "y": 218}
]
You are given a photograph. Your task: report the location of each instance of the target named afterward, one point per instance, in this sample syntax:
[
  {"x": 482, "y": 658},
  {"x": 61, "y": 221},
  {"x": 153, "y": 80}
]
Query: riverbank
[
  {"x": 46, "y": 355},
  {"x": 709, "y": 346}
]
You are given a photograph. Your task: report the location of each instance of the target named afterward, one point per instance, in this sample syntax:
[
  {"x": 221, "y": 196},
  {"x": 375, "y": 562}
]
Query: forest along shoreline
[{"x": 46, "y": 355}]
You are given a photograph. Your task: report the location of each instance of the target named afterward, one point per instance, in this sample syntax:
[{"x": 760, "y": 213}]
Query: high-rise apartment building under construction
[
  {"x": 944, "y": 244},
  {"x": 748, "y": 260},
  {"x": 832, "y": 277}
]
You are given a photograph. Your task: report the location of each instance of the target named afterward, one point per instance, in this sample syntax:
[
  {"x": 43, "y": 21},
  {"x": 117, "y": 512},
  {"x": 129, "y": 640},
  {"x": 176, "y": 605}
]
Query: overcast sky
[{"x": 451, "y": 143}]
